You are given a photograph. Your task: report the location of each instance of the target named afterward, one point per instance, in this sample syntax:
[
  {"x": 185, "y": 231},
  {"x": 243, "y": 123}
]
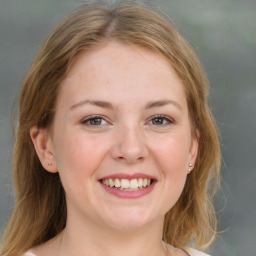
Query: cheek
[
  {"x": 172, "y": 158},
  {"x": 79, "y": 155},
  {"x": 173, "y": 155}
]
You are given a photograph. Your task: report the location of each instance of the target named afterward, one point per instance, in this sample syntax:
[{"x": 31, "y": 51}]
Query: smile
[{"x": 126, "y": 184}]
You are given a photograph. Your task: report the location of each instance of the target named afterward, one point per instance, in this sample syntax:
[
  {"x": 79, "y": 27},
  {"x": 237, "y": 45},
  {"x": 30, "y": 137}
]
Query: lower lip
[{"x": 129, "y": 194}]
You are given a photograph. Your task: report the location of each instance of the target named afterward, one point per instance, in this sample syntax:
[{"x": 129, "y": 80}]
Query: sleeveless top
[{"x": 190, "y": 251}]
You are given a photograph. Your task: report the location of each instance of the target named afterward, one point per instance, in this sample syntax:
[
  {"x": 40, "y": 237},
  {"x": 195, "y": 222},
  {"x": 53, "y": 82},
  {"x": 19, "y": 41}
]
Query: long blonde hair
[{"x": 40, "y": 207}]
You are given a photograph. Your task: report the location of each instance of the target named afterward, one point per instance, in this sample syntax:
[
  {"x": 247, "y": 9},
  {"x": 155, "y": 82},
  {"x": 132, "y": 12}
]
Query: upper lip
[{"x": 128, "y": 176}]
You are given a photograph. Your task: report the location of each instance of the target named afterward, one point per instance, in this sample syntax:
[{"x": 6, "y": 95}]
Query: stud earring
[{"x": 190, "y": 167}]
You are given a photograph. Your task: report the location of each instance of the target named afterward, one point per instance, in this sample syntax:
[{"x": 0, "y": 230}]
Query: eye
[
  {"x": 94, "y": 121},
  {"x": 160, "y": 120}
]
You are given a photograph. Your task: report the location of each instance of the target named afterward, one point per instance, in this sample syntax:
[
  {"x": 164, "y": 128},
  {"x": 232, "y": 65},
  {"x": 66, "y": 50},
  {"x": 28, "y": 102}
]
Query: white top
[
  {"x": 190, "y": 251},
  {"x": 28, "y": 254},
  {"x": 194, "y": 252}
]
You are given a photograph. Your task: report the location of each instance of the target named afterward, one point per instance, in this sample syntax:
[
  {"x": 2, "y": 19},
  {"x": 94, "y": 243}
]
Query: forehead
[
  {"x": 120, "y": 70},
  {"x": 114, "y": 51}
]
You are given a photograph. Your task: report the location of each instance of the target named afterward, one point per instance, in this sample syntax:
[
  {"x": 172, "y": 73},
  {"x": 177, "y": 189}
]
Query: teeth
[
  {"x": 134, "y": 184},
  {"x": 111, "y": 183},
  {"x": 140, "y": 182},
  {"x": 117, "y": 183},
  {"x": 125, "y": 184}
]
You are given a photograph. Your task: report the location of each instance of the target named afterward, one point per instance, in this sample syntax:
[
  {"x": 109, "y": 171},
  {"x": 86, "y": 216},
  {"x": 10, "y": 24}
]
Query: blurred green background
[{"x": 223, "y": 33}]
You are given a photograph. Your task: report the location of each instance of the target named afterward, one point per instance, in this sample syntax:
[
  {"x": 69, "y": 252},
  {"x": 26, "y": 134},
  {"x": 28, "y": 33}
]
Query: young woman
[{"x": 116, "y": 145}]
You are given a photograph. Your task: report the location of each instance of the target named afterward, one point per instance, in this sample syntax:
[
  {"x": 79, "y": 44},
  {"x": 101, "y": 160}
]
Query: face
[{"x": 121, "y": 138}]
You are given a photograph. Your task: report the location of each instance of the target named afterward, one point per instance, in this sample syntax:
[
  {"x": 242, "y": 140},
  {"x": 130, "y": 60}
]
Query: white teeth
[
  {"x": 140, "y": 182},
  {"x": 134, "y": 183},
  {"x": 125, "y": 184},
  {"x": 117, "y": 183},
  {"x": 111, "y": 183}
]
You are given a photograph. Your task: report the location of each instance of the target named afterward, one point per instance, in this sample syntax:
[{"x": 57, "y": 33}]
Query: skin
[{"x": 126, "y": 137}]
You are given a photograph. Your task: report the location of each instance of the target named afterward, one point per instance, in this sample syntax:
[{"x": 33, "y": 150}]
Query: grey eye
[
  {"x": 158, "y": 121},
  {"x": 94, "y": 121},
  {"x": 161, "y": 120}
]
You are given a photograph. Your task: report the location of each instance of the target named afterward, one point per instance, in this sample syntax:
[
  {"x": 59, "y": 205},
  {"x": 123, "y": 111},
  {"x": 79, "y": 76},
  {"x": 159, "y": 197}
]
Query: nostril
[{"x": 129, "y": 148}]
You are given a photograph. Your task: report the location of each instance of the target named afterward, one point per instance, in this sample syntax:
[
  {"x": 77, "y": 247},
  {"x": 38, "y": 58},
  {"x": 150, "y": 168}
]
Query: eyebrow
[
  {"x": 98, "y": 103},
  {"x": 161, "y": 103},
  {"x": 108, "y": 105}
]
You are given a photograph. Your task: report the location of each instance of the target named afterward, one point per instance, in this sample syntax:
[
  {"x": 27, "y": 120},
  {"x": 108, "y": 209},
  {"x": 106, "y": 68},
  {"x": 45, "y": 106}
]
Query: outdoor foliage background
[{"x": 223, "y": 33}]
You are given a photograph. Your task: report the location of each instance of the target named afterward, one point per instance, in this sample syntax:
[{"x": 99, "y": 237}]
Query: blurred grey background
[{"x": 223, "y": 33}]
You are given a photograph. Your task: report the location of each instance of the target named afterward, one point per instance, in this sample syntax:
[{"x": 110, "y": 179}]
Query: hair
[{"x": 40, "y": 208}]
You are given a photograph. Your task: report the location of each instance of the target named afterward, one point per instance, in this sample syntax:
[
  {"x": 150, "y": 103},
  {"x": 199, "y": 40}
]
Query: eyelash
[
  {"x": 162, "y": 117},
  {"x": 91, "y": 118}
]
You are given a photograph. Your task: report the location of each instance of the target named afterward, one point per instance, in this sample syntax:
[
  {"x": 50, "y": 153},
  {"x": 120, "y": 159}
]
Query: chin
[{"x": 132, "y": 219}]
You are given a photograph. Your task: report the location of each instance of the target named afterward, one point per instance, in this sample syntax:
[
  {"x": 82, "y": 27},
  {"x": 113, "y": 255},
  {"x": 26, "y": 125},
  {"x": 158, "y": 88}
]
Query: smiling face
[{"x": 121, "y": 138}]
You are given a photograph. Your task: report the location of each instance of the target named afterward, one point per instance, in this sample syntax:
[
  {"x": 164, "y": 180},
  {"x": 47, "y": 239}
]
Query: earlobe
[
  {"x": 193, "y": 151},
  {"x": 44, "y": 148}
]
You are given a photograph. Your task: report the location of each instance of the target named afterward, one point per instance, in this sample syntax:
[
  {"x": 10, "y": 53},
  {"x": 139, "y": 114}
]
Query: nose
[{"x": 129, "y": 146}]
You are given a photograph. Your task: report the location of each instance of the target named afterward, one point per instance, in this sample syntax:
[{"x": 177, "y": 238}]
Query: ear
[
  {"x": 193, "y": 150},
  {"x": 44, "y": 148}
]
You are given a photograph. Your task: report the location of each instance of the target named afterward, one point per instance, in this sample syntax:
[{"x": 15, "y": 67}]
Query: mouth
[{"x": 126, "y": 184}]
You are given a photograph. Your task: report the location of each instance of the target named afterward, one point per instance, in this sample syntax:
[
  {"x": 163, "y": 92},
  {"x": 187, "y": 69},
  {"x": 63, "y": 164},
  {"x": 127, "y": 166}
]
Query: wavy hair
[{"x": 40, "y": 208}]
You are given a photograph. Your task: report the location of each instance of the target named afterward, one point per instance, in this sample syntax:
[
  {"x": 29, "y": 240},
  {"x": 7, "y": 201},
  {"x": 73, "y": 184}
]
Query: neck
[{"x": 96, "y": 240}]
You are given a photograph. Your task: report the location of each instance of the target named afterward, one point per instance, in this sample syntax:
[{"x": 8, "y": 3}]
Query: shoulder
[
  {"x": 194, "y": 252},
  {"x": 28, "y": 254},
  {"x": 189, "y": 250}
]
